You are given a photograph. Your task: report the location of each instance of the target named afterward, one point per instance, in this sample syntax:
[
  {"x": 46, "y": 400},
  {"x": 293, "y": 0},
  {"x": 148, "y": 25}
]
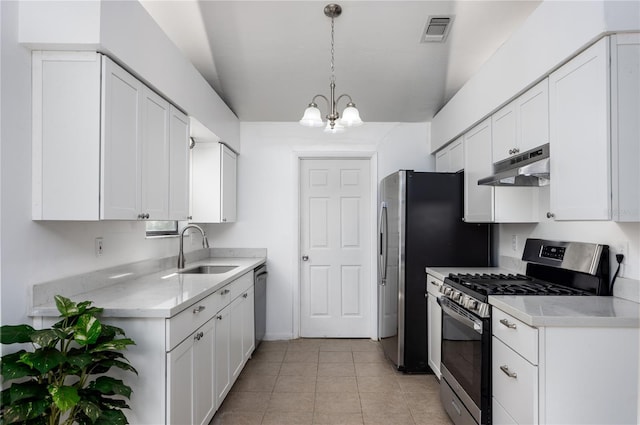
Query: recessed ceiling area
[{"x": 267, "y": 59}]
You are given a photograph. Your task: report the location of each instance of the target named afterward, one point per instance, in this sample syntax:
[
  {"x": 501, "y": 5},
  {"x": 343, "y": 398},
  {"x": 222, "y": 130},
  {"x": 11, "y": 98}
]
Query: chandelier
[{"x": 350, "y": 116}]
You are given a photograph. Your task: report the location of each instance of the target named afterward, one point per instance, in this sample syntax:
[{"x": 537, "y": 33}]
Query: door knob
[{"x": 305, "y": 258}]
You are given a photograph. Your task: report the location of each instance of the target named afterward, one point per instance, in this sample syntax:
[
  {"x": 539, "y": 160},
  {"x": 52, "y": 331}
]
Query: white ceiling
[{"x": 267, "y": 59}]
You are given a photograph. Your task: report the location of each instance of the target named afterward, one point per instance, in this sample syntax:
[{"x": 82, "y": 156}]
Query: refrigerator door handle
[{"x": 384, "y": 244}]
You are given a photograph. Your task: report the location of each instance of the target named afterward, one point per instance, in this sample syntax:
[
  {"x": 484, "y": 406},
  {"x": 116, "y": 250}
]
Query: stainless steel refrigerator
[{"x": 421, "y": 224}]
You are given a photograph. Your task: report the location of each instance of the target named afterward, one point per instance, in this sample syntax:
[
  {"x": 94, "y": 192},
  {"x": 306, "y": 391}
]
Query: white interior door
[{"x": 335, "y": 257}]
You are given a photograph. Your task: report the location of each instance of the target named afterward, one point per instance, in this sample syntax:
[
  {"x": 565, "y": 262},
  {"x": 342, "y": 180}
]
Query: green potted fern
[{"x": 62, "y": 380}]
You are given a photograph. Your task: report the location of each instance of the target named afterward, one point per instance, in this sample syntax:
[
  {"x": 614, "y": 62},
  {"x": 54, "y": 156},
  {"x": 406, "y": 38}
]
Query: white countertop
[
  {"x": 569, "y": 311},
  {"x": 442, "y": 272},
  {"x": 160, "y": 294}
]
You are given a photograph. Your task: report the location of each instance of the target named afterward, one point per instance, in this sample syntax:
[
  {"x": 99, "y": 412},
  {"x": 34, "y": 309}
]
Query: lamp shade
[
  {"x": 311, "y": 117},
  {"x": 350, "y": 117}
]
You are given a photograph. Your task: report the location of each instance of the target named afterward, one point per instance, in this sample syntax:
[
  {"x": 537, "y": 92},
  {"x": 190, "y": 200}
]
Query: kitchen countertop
[
  {"x": 160, "y": 294},
  {"x": 442, "y": 272},
  {"x": 569, "y": 311}
]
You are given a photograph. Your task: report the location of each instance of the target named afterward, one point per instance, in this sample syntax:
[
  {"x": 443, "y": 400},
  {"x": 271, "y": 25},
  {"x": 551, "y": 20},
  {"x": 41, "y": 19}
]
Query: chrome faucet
[{"x": 205, "y": 243}]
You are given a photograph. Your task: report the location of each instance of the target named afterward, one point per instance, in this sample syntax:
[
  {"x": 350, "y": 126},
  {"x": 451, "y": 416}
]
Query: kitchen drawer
[
  {"x": 234, "y": 289},
  {"x": 499, "y": 415},
  {"x": 187, "y": 321},
  {"x": 515, "y": 383},
  {"x": 433, "y": 285},
  {"x": 453, "y": 406},
  {"x": 522, "y": 338}
]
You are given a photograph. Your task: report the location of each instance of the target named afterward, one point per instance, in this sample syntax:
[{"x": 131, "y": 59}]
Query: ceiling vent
[{"x": 437, "y": 29}]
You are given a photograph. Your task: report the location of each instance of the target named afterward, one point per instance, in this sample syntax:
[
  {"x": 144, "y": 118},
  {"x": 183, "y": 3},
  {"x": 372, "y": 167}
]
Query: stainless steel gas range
[{"x": 553, "y": 268}]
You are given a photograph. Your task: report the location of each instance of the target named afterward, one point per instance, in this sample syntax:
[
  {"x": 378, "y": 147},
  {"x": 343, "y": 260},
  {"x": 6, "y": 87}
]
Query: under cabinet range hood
[{"x": 530, "y": 168}]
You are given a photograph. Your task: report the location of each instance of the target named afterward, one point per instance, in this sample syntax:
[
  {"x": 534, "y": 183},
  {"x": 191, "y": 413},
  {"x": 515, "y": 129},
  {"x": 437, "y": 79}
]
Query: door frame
[{"x": 330, "y": 153}]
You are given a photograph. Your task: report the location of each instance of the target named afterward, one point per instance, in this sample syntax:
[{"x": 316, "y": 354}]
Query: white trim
[{"x": 335, "y": 152}]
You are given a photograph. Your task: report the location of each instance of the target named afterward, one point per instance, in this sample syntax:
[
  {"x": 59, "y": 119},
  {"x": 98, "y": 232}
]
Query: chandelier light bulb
[{"x": 351, "y": 116}]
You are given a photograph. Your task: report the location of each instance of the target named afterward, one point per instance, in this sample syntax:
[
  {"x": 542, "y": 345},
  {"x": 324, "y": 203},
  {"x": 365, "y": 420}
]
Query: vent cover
[{"x": 437, "y": 29}]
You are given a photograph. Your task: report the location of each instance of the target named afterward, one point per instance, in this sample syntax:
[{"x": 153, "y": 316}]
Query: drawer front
[
  {"x": 454, "y": 407},
  {"x": 515, "y": 383},
  {"x": 499, "y": 415},
  {"x": 234, "y": 289},
  {"x": 522, "y": 338},
  {"x": 187, "y": 321},
  {"x": 433, "y": 285}
]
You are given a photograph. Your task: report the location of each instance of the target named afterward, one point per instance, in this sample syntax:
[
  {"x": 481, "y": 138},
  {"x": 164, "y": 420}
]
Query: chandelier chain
[{"x": 333, "y": 66}]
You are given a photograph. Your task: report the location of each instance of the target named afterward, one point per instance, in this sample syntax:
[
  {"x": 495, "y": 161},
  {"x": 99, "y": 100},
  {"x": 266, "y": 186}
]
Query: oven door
[{"x": 466, "y": 345}]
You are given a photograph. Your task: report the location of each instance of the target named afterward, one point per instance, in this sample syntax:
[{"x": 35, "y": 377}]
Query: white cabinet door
[
  {"x": 228, "y": 185},
  {"x": 442, "y": 161},
  {"x": 580, "y": 136},
  {"x": 222, "y": 354},
  {"x": 178, "y": 165},
  {"x": 154, "y": 156},
  {"x": 478, "y": 200},
  {"x": 532, "y": 111},
  {"x": 456, "y": 155},
  {"x": 66, "y": 135},
  {"x": 236, "y": 354},
  {"x": 248, "y": 324},
  {"x": 204, "y": 399},
  {"x": 120, "y": 148},
  {"x": 504, "y": 142},
  {"x": 180, "y": 363},
  {"x": 213, "y": 183},
  {"x": 434, "y": 312}
]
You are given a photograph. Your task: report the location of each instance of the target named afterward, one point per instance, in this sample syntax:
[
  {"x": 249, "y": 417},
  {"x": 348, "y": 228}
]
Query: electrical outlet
[
  {"x": 99, "y": 247},
  {"x": 622, "y": 248},
  {"x": 514, "y": 243}
]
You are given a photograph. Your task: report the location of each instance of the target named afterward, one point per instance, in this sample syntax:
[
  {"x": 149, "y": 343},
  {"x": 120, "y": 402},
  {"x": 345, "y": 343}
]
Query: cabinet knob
[
  {"x": 550, "y": 215},
  {"x": 140, "y": 216},
  {"x": 189, "y": 217},
  {"x": 245, "y": 295},
  {"x": 224, "y": 219},
  {"x": 510, "y": 151},
  {"x": 305, "y": 258},
  {"x": 224, "y": 292},
  {"x": 219, "y": 317},
  {"x": 198, "y": 309}
]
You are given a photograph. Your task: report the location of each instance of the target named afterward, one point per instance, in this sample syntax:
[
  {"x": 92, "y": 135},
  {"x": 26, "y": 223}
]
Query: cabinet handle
[
  {"x": 434, "y": 283},
  {"x": 510, "y": 151},
  {"x": 146, "y": 215},
  {"x": 189, "y": 217},
  {"x": 224, "y": 292},
  {"x": 198, "y": 309},
  {"x": 140, "y": 216},
  {"x": 245, "y": 295},
  {"x": 516, "y": 150},
  {"x": 550, "y": 215},
  {"x": 507, "y": 372},
  {"x": 219, "y": 317},
  {"x": 506, "y": 323},
  {"x": 456, "y": 407},
  {"x": 224, "y": 219}
]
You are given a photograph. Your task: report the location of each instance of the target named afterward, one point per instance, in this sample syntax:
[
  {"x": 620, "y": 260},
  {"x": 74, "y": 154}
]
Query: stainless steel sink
[{"x": 205, "y": 269}]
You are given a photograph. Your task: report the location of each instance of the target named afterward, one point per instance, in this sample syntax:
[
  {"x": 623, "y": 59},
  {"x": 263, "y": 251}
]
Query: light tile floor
[{"x": 329, "y": 381}]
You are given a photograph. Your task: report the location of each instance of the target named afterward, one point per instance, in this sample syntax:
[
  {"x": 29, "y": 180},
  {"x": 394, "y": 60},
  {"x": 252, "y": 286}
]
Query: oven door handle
[{"x": 460, "y": 318}]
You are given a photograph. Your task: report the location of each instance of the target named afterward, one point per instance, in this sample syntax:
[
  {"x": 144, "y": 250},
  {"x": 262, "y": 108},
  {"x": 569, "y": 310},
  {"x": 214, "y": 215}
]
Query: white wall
[
  {"x": 266, "y": 194},
  {"x": 32, "y": 252}
]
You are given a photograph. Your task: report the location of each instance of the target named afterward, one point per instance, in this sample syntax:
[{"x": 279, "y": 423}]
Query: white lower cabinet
[
  {"x": 190, "y": 378},
  {"x": 434, "y": 325},
  {"x": 202, "y": 367},
  {"x": 561, "y": 374}
]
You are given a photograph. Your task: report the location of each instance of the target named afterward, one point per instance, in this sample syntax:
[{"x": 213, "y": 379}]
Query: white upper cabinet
[
  {"x": 105, "y": 146},
  {"x": 522, "y": 124},
  {"x": 478, "y": 200},
  {"x": 178, "y": 165},
  {"x": 489, "y": 204},
  {"x": 450, "y": 159},
  {"x": 213, "y": 183},
  {"x": 66, "y": 128},
  {"x": 594, "y": 109}
]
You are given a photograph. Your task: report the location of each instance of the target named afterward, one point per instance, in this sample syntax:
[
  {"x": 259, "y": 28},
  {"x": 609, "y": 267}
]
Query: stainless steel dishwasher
[{"x": 260, "y": 302}]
